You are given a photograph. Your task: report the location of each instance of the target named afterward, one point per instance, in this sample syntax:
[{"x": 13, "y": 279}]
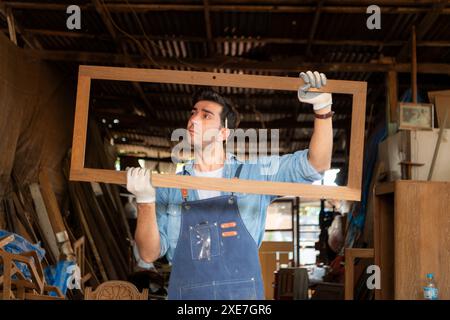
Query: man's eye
[{"x": 207, "y": 116}]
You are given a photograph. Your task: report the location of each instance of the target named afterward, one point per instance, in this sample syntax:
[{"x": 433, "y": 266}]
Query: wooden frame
[
  {"x": 357, "y": 89},
  {"x": 405, "y": 126},
  {"x": 350, "y": 255}
]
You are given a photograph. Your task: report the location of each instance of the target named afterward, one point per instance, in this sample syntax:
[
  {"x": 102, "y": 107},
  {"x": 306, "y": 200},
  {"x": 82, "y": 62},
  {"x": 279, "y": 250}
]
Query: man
[{"x": 211, "y": 237}]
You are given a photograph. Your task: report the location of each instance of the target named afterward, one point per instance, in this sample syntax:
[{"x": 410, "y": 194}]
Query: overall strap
[
  {"x": 184, "y": 192},
  {"x": 237, "y": 174},
  {"x": 238, "y": 171}
]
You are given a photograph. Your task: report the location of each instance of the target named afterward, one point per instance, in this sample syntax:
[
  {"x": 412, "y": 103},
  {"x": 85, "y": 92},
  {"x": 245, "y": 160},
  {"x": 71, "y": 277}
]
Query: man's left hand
[{"x": 319, "y": 100}]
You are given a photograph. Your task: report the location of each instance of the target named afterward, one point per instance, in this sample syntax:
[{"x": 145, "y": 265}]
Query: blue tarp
[{"x": 57, "y": 276}]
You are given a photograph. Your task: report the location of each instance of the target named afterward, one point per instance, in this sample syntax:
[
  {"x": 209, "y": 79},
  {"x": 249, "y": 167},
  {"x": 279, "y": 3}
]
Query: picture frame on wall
[{"x": 416, "y": 116}]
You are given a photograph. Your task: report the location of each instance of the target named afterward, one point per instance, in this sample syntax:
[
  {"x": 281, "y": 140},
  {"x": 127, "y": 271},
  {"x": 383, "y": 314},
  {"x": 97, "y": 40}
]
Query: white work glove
[
  {"x": 138, "y": 183},
  {"x": 319, "y": 100}
]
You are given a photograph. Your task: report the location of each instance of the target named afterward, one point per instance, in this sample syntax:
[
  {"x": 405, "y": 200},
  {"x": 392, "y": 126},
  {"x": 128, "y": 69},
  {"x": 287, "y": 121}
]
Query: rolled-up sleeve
[
  {"x": 293, "y": 167},
  {"x": 161, "y": 218}
]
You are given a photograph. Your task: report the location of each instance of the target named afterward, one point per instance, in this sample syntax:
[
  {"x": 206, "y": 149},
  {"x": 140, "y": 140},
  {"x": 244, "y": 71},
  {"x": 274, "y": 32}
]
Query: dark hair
[{"x": 229, "y": 111}]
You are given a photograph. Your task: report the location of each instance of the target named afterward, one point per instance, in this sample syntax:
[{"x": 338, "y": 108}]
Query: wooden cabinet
[{"x": 412, "y": 237}]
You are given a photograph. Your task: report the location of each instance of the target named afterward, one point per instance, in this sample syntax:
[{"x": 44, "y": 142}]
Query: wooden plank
[
  {"x": 43, "y": 220},
  {"x": 438, "y": 144},
  {"x": 6, "y": 240},
  {"x": 215, "y": 79},
  {"x": 277, "y": 246},
  {"x": 96, "y": 232},
  {"x": 384, "y": 187},
  {"x": 87, "y": 232},
  {"x": 54, "y": 214},
  {"x": 80, "y": 122},
  {"x": 422, "y": 237},
  {"x": 360, "y": 252},
  {"x": 223, "y": 184},
  {"x": 357, "y": 138}
]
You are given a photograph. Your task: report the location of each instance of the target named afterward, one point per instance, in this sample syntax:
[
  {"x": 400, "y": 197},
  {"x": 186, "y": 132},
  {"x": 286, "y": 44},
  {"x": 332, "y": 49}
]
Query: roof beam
[
  {"x": 208, "y": 28},
  {"x": 13, "y": 23},
  {"x": 108, "y": 22},
  {"x": 148, "y": 7},
  {"x": 423, "y": 27},
  {"x": 285, "y": 66},
  {"x": 144, "y": 122},
  {"x": 290, "y": 41},
  {"x": 312, "y": 32}
]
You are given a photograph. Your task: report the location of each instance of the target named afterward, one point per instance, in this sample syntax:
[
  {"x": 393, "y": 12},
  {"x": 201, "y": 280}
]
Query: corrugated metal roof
[{"x": 267, "y": 36}]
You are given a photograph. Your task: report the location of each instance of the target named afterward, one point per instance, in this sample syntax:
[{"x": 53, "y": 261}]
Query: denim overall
[{"x": 216, "y": 258}]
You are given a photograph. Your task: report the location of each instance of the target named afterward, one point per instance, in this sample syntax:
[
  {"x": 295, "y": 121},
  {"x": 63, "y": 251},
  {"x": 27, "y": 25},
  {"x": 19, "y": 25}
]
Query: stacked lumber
[
  {"x": 97, "y": 213},
  {"x": 89, "y": 226}
]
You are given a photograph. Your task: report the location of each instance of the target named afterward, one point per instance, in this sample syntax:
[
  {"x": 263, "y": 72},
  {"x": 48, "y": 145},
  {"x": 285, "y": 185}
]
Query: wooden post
[
  {"x": 392, "y": 90},
  {"x": 414, "y": 66}
]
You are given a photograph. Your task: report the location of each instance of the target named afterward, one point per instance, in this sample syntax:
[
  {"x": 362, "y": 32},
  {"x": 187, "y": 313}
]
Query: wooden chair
[
  {"x": 115, "y": 290},
  {"x": 350, "y": 255},
  {"x": 15, "y": 285},
  {"x": 79, "y": 248},
  {"x": 13, "y": 282}
]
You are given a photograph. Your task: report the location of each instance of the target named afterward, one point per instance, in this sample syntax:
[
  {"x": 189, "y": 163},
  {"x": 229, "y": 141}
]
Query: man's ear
[{"x": 225, "y": 133}]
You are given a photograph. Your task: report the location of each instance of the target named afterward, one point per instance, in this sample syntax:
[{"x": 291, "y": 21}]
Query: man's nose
[{"x": 195, "y": 119}]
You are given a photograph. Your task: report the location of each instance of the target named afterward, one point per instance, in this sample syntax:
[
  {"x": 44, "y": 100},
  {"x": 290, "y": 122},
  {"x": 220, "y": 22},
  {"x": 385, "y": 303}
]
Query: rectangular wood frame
[{"x": 357, "y": 89}]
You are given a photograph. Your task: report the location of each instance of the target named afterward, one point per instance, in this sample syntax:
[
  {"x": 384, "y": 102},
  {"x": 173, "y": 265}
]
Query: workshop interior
[{"x": 224, "y": 149}]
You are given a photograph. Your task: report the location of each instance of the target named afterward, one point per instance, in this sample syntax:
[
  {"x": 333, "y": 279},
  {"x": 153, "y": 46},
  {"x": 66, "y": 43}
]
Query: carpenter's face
[{"x": 204, "y": 123}]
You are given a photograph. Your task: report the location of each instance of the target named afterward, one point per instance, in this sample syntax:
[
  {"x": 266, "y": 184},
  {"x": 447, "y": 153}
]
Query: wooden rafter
[
  {"x": 208, "y": 27},
  {"x": 263, "y": 40},
  {"x": 423, "y": 27},
  {"x": 286, "y": 66},
  {"x": 16, "y": 27},
  {"x": 120, "y": 43},
  {"x": 313, "y": 29},
  {"x": 149, "y": 7}
]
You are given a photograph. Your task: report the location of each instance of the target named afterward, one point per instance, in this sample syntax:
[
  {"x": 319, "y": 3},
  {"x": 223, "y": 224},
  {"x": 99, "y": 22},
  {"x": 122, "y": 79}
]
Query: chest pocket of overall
[{"x": 204, "y": 238}]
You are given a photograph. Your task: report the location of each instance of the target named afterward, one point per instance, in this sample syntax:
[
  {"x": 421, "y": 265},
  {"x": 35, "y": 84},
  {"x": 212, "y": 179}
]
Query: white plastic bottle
[{"x": 430, "y": 291}]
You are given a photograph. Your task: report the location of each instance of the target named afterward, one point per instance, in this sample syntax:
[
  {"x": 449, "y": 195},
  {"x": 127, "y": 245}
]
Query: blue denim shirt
[{"x": 293, "y": 167}]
